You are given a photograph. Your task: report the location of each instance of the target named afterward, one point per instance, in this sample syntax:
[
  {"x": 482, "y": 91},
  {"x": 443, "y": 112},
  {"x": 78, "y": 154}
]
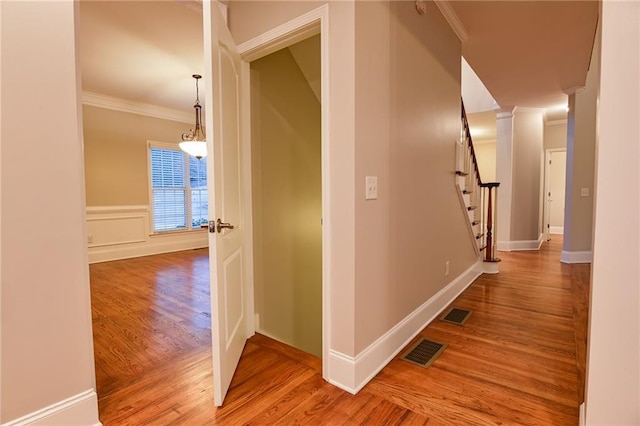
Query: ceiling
[
  {"x": 145, "y": 51},
  {"x": 525, "y": 52}
]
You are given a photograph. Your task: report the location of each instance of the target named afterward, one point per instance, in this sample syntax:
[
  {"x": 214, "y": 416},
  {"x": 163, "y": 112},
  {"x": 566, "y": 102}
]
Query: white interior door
[
  {"x": 557, "y": 176},
  {"x": 230, "y": 296}
]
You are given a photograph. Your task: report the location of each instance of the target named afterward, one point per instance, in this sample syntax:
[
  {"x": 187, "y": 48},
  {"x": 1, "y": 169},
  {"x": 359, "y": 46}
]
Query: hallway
[{"x": 519, "y": 359}]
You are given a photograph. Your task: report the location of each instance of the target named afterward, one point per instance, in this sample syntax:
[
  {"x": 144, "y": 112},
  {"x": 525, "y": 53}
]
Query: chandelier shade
[{"x": 194, "y": 141}]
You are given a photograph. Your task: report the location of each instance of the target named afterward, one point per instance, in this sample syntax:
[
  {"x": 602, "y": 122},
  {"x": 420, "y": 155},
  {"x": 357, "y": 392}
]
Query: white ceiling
[
  {"x": 144, "y": 51},
  {"x": 525, "y": 52},
  {"x": 528, "y": 52}
]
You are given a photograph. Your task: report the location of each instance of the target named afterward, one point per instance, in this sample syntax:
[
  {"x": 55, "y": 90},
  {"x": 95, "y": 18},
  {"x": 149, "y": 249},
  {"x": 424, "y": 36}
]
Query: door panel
[
  {"x": 557, "y": 172},
  {"x": 230, "y": 294}
]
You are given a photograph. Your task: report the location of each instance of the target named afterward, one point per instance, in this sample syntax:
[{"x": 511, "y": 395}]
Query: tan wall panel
[
  {"x": 115, "y": 154},
  {"x": 527, "y": 162},
  {"x": 581, "y": 152},
  {"x": 407, "y": 122}
]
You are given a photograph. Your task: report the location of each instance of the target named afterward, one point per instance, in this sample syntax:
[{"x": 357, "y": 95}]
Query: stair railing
[{"x": 483, "y": 196}]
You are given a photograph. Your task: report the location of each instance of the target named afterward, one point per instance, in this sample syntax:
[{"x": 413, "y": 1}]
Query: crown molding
[
  {"x": 133, "y": 107},
  {"x": 528, "y": 109},
  {"x": 505, "y": 112},
  {"x": 555, "y": 122},
  {"x": 453, "y": 20},
  {"x": 573, "y": 89}
]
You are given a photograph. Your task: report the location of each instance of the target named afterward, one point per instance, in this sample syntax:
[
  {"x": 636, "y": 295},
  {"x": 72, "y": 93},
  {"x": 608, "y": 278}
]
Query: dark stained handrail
[{"x": 489, "y": 189}]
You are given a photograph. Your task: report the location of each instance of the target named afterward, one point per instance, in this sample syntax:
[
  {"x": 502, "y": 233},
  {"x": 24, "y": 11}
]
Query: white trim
[
  {"x": 555, "y": 122},
  {"x": 156, "y": 244},
  {"x": 528, "y": 109},
  {"x": 573, "y": 90},
  {"x": 521, "y": 245},
  {"x": 453, "y": 20},
  {"x": 297, "y": 29},
  {"x": 134, "y": 107},
  {"x": 504, "y": 114},
  {"x": 546, "y": 214},
  {"x": 122, "y": 232},
  {"x": 80, "y": 409},
  {"x": 490, "y": 267},
  {"x": 247, "y": 200},
  {"x": 117, "y": 209},
  {"x": 576, "y": 256},
  {"x": 582, "y": 419},
  {"x": 353, "y": 373},
  {"x": 304, "y": 26}
]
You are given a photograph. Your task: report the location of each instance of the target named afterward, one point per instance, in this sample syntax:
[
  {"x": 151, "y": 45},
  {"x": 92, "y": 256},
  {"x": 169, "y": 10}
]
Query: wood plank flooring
[{"x": 519, "y": 359}]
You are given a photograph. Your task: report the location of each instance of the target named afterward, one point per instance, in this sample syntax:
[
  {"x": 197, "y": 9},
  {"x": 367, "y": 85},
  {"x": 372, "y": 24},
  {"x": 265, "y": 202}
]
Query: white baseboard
[
  {"x": 353, "y": 373},
  {"x": 576, "y": 256},
  {"x": 521, "y": 245},
  {"x": 79, "y": 410},
  {"x": 156, "y": 244},
  {"x": 122, "y": 232},
  {"x": 556, "y": 230},
  {"x": 582, "y": 420}
]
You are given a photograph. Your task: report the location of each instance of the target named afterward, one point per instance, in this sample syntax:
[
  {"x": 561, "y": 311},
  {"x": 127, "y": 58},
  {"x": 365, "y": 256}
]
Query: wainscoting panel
[{"x": 121, "y": 232}]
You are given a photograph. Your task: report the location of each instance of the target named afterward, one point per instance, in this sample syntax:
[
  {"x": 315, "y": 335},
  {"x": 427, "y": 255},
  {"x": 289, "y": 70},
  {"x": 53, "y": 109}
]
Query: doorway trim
[
  {"x": 547, "y": 187},
  {"x": 304, "y": 26}
]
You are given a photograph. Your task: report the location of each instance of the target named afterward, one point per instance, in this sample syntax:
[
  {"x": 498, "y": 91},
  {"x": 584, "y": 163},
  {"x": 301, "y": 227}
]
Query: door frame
[
  {"x": 304, "y": 26},
  {"x": 547, "y": 186}
]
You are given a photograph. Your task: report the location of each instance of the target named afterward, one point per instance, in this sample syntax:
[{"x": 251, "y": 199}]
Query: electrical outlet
[
  {"x": 371, "y": 192},
  {"x": 446, "y": 268},
  {"x": 90, "y": 238},
  {"x": 584, "y": 192}
]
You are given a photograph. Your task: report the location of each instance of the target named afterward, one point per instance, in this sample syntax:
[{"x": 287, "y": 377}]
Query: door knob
[{"x": 221, "y": 225}]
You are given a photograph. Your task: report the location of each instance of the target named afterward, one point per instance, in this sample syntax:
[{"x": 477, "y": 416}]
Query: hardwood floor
[{"x": 519, "y": 359}]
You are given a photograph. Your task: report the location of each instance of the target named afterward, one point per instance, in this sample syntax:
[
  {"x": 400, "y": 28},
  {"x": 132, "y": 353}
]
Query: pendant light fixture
[{"x": 194, "y": 142}]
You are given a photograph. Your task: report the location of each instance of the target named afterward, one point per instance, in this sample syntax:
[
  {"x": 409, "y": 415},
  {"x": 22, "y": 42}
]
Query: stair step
[
  {"x": 461, "y": 173},
  {"x": 482, "y": 248},
  {"x": 472, "y": 208},
  {"x": 475, "y": 222},
  {"x": 478, "y": 236},
  {"x": 467, "y": 191}
]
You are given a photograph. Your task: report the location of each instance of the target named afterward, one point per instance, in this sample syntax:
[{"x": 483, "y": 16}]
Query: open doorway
[
  {"x": 287, "y": 194},
  {"x": 555, "y": 164}
]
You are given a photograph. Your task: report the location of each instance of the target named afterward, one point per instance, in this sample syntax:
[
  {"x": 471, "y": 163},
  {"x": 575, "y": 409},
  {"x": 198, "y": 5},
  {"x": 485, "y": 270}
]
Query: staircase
[{"x": 478, "y": 198}]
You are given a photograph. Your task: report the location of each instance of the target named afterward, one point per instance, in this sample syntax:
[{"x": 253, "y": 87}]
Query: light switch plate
[
  {"x": 371, "y": 192},
  {"x": 584, "y": 192}
]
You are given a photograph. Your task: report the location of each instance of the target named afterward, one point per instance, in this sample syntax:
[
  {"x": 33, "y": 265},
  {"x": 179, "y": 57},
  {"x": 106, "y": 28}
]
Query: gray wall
[
  {"x": 581, "y": 150},
  {"x": 527, "y": 162}
]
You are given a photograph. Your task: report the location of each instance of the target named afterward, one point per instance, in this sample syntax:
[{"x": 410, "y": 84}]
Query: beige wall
[
  {"x": 526, "y": 183},
  {"x": 287, "y": 202},
  {"x": 250, "y": 18},
  {"x": 387, "y": 256},
  {"x": 407, "y": 119},
  {"x": 613, "y": 365},
  {"x": 555, "y": 135},
  {"x": 47, "y": 348},
  {"x": 115, "y": 154},
  {"x": 581, "y": 147},
  {"x": 486, "y": 157}
]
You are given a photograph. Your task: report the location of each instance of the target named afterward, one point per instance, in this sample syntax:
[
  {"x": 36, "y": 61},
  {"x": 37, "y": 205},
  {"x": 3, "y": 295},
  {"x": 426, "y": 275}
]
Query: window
[{"x": 178, "y": 189}]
